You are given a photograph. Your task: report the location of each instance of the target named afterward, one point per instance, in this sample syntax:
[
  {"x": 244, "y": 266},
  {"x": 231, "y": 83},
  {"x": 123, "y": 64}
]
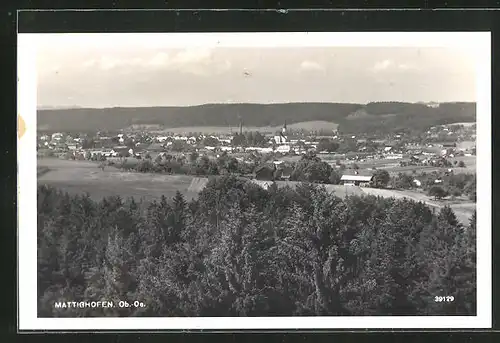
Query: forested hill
[{"x": 383, "y": 116}]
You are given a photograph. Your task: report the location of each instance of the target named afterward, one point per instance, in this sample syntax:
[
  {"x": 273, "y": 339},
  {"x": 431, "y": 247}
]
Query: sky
[{"x": 100, "y": 72}]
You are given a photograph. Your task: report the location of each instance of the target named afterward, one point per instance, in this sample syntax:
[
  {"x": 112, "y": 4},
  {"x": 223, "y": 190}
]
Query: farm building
[{"x": 356, "y": 180}]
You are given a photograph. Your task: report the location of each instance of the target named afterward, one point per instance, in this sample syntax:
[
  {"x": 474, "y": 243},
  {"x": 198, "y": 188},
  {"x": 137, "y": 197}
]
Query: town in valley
[{"x": 422, "y": 166}]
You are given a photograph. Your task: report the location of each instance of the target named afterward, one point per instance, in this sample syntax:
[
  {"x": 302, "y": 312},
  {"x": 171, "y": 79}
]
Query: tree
[
  {"x": 311, "y": 169},
  {"x": 240, "y": 250},
  {"x": 211, "y": 141},
  {"x": 461, "y": 164},
  {"x": 88, "y": 144},
  {"x": 402, "y": 181},
  {"x": 381, "y": 178},
  {"x": 232, "y": 165},
  {"x": 193, "y": 157},
  {"x": 179, "y": 146},
  {"x": 473, "y": 196},
  {"x": 328, "y": 145},
  {"x": 129, "y": 143},
  {"x": 437, "y": 192},
  {"x": 334, "y": 177},
  {"x": 145, "y": 166}
]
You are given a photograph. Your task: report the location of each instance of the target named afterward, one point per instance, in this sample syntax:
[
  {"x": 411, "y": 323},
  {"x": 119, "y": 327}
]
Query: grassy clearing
[
  {"x": 41, "y": 171},
  {"x": 463, "y": 210},
  {"x": 465, "y": 124},
  {"x": 77, "y": 177}
]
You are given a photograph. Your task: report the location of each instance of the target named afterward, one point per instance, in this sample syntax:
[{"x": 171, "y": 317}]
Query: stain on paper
[{"x": 21, "y": 126}]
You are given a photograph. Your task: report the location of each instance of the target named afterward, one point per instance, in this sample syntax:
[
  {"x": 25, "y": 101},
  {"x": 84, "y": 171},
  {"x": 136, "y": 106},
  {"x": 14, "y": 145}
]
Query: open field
[
  {"x": 393, "y": 167},
  {"x": 85, "y": 177},
  {"x": 78, "y": 177},
  {"x": 40, "y": 170},
  {"x": 307, "y": 125},
  {"x": 466, "y": 145},
  {"x": 463, "y": 211},
  {"x": 470, "y": 164},
  {"x": 466, "y": 124}
]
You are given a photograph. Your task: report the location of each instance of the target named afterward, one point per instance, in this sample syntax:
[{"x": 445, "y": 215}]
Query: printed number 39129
[{"x": 447, "y": 299}]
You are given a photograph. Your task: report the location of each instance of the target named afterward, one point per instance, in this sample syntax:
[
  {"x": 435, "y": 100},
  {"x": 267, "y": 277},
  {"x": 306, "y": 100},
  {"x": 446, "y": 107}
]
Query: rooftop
[{"x": 361, "y": 178}]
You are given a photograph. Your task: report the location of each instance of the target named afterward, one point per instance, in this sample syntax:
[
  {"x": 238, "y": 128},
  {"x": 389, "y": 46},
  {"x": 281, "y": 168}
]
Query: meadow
[{"x": 78, "y": 177}]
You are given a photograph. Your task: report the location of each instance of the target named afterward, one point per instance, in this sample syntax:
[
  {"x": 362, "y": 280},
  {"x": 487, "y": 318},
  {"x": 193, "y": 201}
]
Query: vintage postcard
[{"x": 254, "y": 180}]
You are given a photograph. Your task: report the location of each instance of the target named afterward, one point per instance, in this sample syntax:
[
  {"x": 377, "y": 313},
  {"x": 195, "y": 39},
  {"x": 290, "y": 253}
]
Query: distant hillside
[
  {"x": 394, "y": 116},
  {"x": 306, "y": 125},
  {"x": 379, "y": 116}
]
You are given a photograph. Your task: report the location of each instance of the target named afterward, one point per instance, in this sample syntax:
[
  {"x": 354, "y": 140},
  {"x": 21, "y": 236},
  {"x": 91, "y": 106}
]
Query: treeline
[
  {"x": 193, "y": 164},
  {"x": 203, "y": 115},
  {"x": 239, "y": 250},
  {"x": 225, "y": 115},
  {"x": 451, "y": 184},
  {"x": 309, "y": 168},
  {"x": 403, "y": 116}
]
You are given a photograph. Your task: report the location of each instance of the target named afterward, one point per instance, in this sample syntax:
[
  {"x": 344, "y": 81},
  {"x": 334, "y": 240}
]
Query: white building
[
  {"x": 355, "y": 180},
  {"x": 283, "y": 148},
  {"x": 57, "y": 136},
  {"x": 162, "y": 138},
  {"x": 394, "y": 156}
]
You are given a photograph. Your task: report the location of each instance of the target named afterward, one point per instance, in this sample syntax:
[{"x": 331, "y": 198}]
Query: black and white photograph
[{"x": 276, "y": 180}]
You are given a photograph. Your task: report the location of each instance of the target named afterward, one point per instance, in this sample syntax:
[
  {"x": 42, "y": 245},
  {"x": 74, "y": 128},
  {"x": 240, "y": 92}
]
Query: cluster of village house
[{"x": 280, "y": 144}]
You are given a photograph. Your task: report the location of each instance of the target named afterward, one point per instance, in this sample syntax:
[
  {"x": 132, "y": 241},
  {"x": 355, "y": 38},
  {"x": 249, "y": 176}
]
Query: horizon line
[{"x": 77, "y": 107}]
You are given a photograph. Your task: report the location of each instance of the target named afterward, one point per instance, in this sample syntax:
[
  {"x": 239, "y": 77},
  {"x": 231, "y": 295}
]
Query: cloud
[
  {"x": 90, "y": 63},
  {"x": 108, "y": 63},
  {"x": 198, "y": 61},
  {"x": 382, "y": 65},
  {"x": 311, "y": 66},
  {"x": 159, "y": 60},
  {"x": 193, "y": 56},
  {"x": 407, "y": 67},
  {"x": 390, "y": 65}
]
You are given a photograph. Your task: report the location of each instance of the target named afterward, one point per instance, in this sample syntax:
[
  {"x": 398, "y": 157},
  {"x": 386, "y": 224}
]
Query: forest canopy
[
  {"x": 240, "y": 250},
  {"x": 401, "y": 116}
]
